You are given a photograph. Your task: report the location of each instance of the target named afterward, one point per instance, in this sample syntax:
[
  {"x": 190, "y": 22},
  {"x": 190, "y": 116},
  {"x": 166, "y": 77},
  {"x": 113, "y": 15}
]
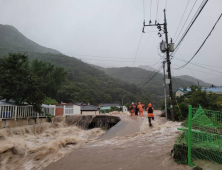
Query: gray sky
[{"x": 107, "y": 32}]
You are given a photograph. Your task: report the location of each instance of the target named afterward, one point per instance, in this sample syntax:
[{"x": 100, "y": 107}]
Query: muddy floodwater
[
  {"x": 35, "y": 147},
  {"x": 129, "y": 145}
]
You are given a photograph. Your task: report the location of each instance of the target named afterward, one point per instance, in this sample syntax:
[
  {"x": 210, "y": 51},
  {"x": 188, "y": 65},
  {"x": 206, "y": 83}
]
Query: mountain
[
  {"x": 142, "y": 77},
  {"x": 85, "y": 83},
  {"x": 12, "y": 40},
  {"x": 89, "y": 83},
  {"x": 146, "y": 67},
  {"x": 194, "y": 80}
]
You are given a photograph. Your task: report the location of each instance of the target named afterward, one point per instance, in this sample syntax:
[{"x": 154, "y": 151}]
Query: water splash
[{"x": 36, "y": 146}]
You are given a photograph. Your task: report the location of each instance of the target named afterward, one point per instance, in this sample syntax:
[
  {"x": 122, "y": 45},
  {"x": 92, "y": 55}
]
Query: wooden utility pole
[{"x": 167, "y": 60}]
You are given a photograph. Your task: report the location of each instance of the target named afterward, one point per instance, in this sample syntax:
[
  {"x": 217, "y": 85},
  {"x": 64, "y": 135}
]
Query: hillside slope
[
  {"x": 87, "y": 83},
  {"x": 12, "y": 40},
  {"x": 140, "y": 77},
  {"x": 194, "y": 80}
]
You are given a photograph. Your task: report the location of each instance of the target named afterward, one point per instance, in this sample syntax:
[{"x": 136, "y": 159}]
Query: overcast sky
[{"x": 107, "y": 32}]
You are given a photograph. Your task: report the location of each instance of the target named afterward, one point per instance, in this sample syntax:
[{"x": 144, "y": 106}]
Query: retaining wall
[{"x": 9, "y": 123}]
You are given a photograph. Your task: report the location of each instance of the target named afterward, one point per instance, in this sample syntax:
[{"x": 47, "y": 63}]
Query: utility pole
[
  {"x": 167, "y": 57},
  {"x": 164, "y": 80},
  {"x": 168, "y": 68}
]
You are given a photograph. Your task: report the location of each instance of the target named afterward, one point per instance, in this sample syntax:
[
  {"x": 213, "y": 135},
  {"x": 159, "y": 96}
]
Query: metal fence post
[
  {"x": 16, "y": 112},
  {"x": 189, "y": 134}
]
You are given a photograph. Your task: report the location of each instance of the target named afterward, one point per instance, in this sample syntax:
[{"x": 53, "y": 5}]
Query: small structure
[
  {"x": 87, "y": 109},
  {"x": 213, "y": 89},
  {"x": 107, "y": 106},
  {"x": 63, "y": 109}
]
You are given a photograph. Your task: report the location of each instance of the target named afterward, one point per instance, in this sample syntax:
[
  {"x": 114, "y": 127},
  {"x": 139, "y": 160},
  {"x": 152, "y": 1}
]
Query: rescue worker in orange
[
  {"x": 132, "y": 109},
  {"x": 140, "y": 107},
  {"x": 150, "y": 111}
]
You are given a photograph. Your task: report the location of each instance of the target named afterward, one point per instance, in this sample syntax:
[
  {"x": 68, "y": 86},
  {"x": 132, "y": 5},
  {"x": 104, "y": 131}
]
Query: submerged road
[{"x": 131, "y": 144}]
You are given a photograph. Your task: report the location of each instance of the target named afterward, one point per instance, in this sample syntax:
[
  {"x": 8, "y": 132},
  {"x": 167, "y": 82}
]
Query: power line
[
  {"x": 152, "y": 77},
  {"x": 144, "y": 14},
  {"x": 157, "y": 2},
  {"x": 199, "y": 71},
  {"x": 138, "y": 47},
  {"x": 166, "y": 5},
  {"x": 109, "y": 60},
  {"x": 201, "y": 44},
  {"x": 118, "y": 72},
  {"x": 197, "y": 64},
  {"x": 150, "y": 9},
  {"x": 182, "y": 18},
  {"x": 188, "y": 67},
  {"x": 191, "y": 24},
  {"x": 185, "y": 21},
  {"x": 69, "y": 54}
]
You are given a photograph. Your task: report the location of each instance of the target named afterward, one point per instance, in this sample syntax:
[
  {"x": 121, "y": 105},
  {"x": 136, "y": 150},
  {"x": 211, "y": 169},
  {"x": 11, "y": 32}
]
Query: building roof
[
  {"x": 110, "y": 104},
  {"x": 80, "y": 103},
  {"x": 207, "y": 89},
  {"x": 66, "y": 104},
  {"x": 11, "y": 103},
  {"x": 89, "y": 108}
]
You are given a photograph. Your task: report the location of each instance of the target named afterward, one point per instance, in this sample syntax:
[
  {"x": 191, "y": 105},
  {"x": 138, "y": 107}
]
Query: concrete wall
[
  {"x": 90, "y": 112},
  {"x": 9, "y": 123}
]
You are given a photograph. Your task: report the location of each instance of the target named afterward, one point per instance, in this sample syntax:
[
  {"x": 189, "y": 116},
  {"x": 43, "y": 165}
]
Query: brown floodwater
[{"x": 36, "y": 146}]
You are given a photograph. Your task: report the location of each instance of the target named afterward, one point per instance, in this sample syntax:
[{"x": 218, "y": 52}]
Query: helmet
[{"x": 150, "y": 105}]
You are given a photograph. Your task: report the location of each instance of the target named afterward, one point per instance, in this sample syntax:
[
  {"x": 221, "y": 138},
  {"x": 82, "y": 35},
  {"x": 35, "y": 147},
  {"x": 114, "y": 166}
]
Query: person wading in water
[
  {"x": 150, "y": 111},
  {"x": 132, "y": 109},
  {"x": 140, "y": 107},
  {"x": 136, "y": 110}
]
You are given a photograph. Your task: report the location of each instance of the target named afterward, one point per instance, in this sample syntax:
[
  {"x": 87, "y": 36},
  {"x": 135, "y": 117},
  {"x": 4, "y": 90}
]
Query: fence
[
  {"x": 19, "y": 112},
  {"x": 201, "y": 137}
]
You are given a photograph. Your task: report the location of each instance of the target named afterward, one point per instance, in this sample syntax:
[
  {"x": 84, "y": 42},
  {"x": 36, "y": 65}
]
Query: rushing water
[{"x": 36, "y": 146}]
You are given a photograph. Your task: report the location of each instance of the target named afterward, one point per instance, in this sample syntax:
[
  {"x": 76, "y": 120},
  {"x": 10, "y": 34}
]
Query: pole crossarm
[{"x": 167, "y": 57}]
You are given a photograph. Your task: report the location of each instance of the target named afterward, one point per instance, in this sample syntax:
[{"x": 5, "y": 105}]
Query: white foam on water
[{"x": 36, "y": 146}]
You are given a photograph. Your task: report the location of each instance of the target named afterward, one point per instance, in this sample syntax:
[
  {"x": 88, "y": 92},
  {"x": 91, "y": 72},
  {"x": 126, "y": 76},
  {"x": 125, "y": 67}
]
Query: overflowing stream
[{"x": 36, "y": 146}]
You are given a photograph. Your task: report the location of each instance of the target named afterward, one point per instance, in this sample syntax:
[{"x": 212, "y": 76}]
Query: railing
[{"x": 19, "y": 112}]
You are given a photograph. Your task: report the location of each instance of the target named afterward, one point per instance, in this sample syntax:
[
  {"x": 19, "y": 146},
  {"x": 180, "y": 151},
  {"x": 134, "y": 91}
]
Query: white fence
[{"x": 19, "y": 112}]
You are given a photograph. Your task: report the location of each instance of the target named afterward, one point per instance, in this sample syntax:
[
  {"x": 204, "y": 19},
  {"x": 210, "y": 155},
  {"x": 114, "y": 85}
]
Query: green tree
[
  {"x": 51, "y": 77},
  {"x": 18, "y": 83}
]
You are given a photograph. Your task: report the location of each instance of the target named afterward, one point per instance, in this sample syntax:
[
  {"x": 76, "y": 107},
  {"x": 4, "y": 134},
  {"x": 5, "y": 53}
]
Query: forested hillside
[
  {"x": 83, "y": 83},
  {"x": 89, "y": 83},
  {"x": 140, "y": 77}
]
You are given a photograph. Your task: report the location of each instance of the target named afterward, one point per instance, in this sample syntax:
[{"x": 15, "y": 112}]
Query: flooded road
[{"x": 129, "y": 145}]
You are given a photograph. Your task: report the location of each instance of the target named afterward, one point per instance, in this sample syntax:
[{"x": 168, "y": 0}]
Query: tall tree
[
  {"x": 18, "y": 83},
  {"x": 51, "y": 77}
]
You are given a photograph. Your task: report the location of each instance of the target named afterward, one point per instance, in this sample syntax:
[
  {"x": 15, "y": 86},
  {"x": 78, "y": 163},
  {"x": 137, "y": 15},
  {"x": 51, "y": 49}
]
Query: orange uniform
[
  {"x": 140, "y": 107},
  {"x": 150, "y": 111}
]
